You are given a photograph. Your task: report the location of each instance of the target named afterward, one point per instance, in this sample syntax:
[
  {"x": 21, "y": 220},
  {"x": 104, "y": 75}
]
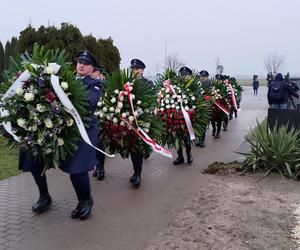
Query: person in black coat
[
  {"x": 83, "y": 160},
  {"x": 255, "y": 84},
  {"x": 279, "y": 93},
  {"x": 137, "y": 68}
]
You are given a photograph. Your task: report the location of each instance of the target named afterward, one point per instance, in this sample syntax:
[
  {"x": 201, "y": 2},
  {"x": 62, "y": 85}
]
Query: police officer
[
  {"x": 137, "y": 70},
  {"x": 207, "y": 86},
  {"x": 83, "y": 159},
  {"x": 187, "y": 74}
]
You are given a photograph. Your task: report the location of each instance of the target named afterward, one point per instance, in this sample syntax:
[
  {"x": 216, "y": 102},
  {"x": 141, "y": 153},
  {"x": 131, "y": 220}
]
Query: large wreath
[
  {"x": 175, "y": 94},
  {"x": 126, "y": 113},
  {"x": 44, "y": 127}
]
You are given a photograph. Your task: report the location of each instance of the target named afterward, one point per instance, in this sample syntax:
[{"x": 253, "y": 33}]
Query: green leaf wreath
[
  {"x": 45, "y": 128},
  {"x": 189, "y": 91},
  {"x": 114, "y": 109}
]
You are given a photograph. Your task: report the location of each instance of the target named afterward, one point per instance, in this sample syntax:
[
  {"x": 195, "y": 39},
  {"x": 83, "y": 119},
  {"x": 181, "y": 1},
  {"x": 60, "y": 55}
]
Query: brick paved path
[{"x": 123, "y": 218}]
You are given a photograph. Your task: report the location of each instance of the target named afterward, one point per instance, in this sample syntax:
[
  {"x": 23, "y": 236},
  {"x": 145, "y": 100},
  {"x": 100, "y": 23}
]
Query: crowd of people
[{"x": 87, "y": 159}]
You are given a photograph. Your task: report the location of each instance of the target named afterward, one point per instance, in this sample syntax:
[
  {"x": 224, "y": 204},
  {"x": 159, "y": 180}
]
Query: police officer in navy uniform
[
  {"x": 83, "y": 160},
  {"x": 207, "y": 86},
  {"x": 137, "y": 70},
  {"x": 187, "y": 73}
]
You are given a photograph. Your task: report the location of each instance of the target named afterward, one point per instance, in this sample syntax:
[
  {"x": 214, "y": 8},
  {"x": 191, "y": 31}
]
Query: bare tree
[
  {"x": 273, "y": 62},
  {"x": 219, "y": 67},
  {"x": 173, "y": 62}
]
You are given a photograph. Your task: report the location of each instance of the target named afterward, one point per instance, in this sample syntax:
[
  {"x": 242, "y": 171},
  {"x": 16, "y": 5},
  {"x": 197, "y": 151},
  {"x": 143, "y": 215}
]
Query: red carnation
[
  {"x": 170, "y": 121},
  {"x": 49, "y": 96},
  {"x": 114, "y": 127},
  {"x": 174, "y": 110},
  {"x": 181, "y": 122},
  {"x": 207, "y": 97}
]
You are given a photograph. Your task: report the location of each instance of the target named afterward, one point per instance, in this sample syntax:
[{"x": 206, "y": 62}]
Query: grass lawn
[
  {"x": 8, "y": 160},
  {"x": 248, "y": 82}
]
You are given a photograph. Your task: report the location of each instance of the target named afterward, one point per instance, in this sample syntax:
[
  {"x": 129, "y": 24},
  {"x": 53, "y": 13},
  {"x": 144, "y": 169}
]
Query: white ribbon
[
  {"x": 71, "y": 109},
  {"x": 18, "y": 84},
  {"x": 167, "y": 84}
]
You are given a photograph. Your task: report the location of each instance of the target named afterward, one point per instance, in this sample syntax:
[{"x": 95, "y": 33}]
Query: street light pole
[{"x": 166, "y": 48}]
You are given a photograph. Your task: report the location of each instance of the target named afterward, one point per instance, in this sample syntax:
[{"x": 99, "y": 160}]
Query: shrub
[{"x": 276, "y": 149}]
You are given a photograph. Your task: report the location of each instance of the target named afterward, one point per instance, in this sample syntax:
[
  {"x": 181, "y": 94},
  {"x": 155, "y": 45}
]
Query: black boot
[
  {"x": 76, "y": 212},
  {"x": 100, "y": 173},
  {"x": 43, "y": 204},
  {"x": 189, "y": 154},
  {"x": 86, "y": 208},
  {"x": 135, "y": 180},
  {"x": 179, "y": 159}
]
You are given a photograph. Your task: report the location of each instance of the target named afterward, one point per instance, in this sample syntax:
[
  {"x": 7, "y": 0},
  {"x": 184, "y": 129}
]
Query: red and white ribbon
[
  {"x": 139, "y": 131},
  {"x": 220, "y": 106},
  {"x": 232, "y": 96},
  {"x": 167, "y": 84}
]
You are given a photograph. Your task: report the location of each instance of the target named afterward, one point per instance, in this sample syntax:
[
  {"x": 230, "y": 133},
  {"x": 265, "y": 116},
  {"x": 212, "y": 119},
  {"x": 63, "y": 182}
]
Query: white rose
[
  {"x": 120, "y": 105},
  {"x": 162, "y": 109},
  {"x": 70, "y": 122},
  {"x": 21, "y": 122},
  {"x": 115, "y": 120},
  {"x": 122, "y": 123},
  {"x": 172, "y": 101},
  {"x": 162, "y": 104},
  {"x": 167, "y": 101},
  {"x": 121, "y": 98},
  {"x": 185, "y": 101},
  {"x": 104, "y": 109},
  {"x": 117, "y": 110},
  {"x": 123, "y": 115},
  {"x": 193, "y": 107},
  {"x": 52, "y": 68},
  {"x": 100, "y": 104},
  {"x": 101, "y": 114},
  {"x": 29, "y": 97},
  {"x": 64, "y": 85},
  {"x": 113, "y": 100},
  {"x": 183, "y": 96},
  {"x": 132, "y": 96},
  {"x": 193, "y": 98},
  {"x": 177, "y": 107},
  {"x": 186, "y": 108},
  {"x": 116, "y": 91},
  {"x": 48, "y": 123},
  {"x": 40, "y": 108},
  {"x": 19, "y": 91},
  {"x": 167, "y": 96},
  {"x": 131, "y": 118},
  {"x": 139, "y": 102},
  {"x": 60, "y": 141},
  {"x": 168, "y": 106},
  {"x": 108, "y": 117},
  {"x": 111, "y": 109},
  {"x": 173, "y": 106}
]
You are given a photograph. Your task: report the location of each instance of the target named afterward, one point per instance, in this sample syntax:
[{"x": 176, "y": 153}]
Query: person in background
[{"x": 255, "y": 84}]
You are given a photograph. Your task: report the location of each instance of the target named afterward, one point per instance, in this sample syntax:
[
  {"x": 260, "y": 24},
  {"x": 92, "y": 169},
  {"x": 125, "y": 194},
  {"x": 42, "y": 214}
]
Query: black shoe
[
  {"x": 179, "y": 160},
  {"x": 146, "y": 156},
  {"x": 43, "y": 204},
  {"x": 230, "y": 117},
  {"x": 235, "y": 115},
  {"x": 100, "y": 173},
  {"x": 213, "y": 133},
  {"x": 225, "y": 129},
  {"x": 135, "y": 180},
  {"x": 189, "y": 158},
  {"x": 217, "y": 136},
  {"x": 76, "y": 212},
  {"x": 86, "y": 208},
  {"x": 201, "y": 144}
]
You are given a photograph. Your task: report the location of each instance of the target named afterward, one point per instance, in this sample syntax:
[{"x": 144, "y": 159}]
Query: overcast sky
[{"x": 239, "y": 32}]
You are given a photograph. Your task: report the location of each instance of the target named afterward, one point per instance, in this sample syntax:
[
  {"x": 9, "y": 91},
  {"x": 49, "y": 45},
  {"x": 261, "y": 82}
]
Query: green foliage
[
  {"x": 8, "y": 160},
  {"x": 114, "y": 109},
  {"x": 45, "y": 128},
  {"x": 69, "y": 38},
  {"x": 188, "y": 92},
  {"x": 273, "y": 150}
]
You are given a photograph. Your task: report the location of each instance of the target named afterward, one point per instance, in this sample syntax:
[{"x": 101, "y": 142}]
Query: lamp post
[{"x": 166, "y": 48}]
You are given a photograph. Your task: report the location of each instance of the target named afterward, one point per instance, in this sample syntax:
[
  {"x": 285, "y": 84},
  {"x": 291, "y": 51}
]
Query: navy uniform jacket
[
  {"x": 147, "y": 82},
  {"x": 84, "y": 159}
]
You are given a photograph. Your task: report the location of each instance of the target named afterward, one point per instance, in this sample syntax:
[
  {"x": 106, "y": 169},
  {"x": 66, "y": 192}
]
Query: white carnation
[
  {"x": 123, "y": 115},
  {"x": 111, "y": 109},
  {"x": 48, "y": 123},
  {"x": 60, "y": 141},
  {"x": 29, "y": 97},
  {"x": 40, "y": 108},
  {"x": 193, "y": 98},
  {"x": 187, "y": 108},
  {"x": 177, "y": 107},
  {"x": 121, "y": 98},
  {"x": 132, "y": 96},
  {"x": 113, "y": 100},
  {"x": 168, "y": 106},
  {"x": 122, "y": 123},
  {"x": 104, "y": 109},
  {"x": 117, "y": 110},
  {"x": 115, "y": 120},
  {"x": 131, "y": 118},
  {"x": 19, "y": 91},
  {"x": 172, "y": 101},
  {"x": 116, "y": 91},
  {"x": 120, "y": 105},
  {"x": 139, "y": 102}
]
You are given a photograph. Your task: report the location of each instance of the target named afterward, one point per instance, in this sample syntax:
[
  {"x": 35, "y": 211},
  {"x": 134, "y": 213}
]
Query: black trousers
[
  {"x": 101, "y": 159},
  {"x": 80, "y": 181},
  {"x": 137, "y": 162},
  {"x": 188, "y": 148},
  {"x": 216, "y": 125}
]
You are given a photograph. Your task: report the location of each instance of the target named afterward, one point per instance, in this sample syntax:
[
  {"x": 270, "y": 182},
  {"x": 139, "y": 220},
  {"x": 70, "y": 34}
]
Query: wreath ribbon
[{"x": 167, "y": 84}]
